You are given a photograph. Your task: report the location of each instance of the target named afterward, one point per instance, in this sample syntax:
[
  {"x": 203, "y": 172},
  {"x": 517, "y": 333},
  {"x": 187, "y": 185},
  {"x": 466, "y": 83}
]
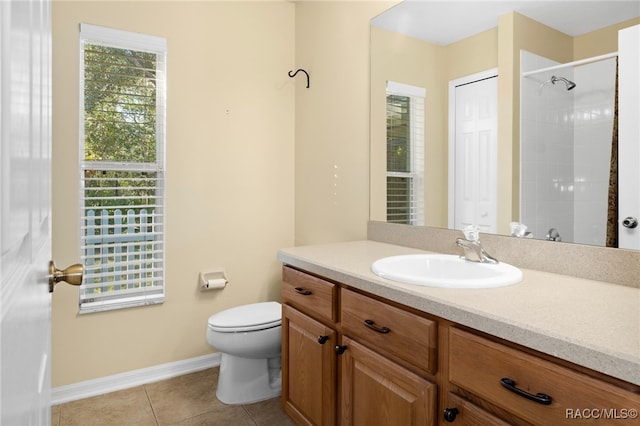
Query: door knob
[
  {"x": 72, "y": 275},
  {"x": 630, "y": 222}
]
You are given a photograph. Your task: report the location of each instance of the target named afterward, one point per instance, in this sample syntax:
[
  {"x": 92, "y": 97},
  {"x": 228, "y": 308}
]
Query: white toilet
[{"x": 248, "y": 337}]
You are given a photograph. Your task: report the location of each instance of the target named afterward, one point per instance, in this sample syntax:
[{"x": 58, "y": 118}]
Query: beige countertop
[{"x": 590, "y": 323}]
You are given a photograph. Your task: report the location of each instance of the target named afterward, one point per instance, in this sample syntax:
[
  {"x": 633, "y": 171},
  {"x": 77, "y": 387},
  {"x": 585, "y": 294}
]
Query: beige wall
[
  {"x": 472, "y": 55},
  {"x": 332, "y": 119},
  {"x": 601, "y": 41},
  {"x": 230, "y": 176},
  {"x": 302, "y": 161}
]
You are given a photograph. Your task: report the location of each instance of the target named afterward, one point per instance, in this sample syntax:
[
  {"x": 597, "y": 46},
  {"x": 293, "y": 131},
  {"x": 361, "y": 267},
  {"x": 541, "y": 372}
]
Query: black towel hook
[{"x": 293, "y": 74}]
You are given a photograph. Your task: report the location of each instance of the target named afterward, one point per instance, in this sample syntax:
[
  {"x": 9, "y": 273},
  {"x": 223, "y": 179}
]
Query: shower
[
  {"x": 570, "y": 84},
  {"x": 566, "y": 131}
]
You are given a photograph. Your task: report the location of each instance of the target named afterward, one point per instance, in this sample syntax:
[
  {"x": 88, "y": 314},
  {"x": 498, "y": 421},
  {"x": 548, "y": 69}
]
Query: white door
[
  {"x": 25, "y": 212},
  {"x": 629, "y": 137},
  {"x": 475, "y": 155}
]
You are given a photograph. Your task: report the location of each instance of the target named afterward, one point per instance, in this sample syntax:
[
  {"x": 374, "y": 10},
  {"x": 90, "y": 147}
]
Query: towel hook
[{"x": 293, "y": 74}]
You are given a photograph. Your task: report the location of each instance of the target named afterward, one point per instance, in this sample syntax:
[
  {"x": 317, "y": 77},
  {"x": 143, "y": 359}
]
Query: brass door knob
[{"x": 72, "y": 275}]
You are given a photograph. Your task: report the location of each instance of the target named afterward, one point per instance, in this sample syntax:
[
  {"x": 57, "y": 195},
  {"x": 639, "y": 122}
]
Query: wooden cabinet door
[
  {"x": 377, "y": 391},
  {"x": 309, "y": 369}
]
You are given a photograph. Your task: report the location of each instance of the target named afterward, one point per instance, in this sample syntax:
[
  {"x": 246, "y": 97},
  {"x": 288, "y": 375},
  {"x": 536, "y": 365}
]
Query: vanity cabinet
[
  {"x": 350, "y": 358},
  {"x": 384, "y": 355}
]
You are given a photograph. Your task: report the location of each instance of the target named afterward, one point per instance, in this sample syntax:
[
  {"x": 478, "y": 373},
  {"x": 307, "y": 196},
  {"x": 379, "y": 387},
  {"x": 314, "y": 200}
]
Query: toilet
[{"x": 248, "y": 338}]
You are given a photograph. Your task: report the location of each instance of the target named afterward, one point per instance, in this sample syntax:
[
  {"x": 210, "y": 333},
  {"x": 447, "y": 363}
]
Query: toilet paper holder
[{"x": 213, "y": 280}]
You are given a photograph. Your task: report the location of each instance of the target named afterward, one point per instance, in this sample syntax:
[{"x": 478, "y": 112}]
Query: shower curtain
[{"x": 612, "y": 208}]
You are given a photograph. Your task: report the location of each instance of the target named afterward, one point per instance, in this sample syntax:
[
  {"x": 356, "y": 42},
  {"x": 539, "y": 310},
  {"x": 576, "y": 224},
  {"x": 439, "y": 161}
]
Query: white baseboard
[{"x": 86, "y": 389}]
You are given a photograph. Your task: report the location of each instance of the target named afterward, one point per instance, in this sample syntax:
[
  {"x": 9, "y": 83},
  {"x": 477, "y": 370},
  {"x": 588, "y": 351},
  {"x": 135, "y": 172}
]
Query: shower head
[{"x": 570, "y": 84}]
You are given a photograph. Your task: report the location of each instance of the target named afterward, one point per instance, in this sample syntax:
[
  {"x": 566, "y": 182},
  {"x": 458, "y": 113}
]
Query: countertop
[{"x": 590, "y": 323}]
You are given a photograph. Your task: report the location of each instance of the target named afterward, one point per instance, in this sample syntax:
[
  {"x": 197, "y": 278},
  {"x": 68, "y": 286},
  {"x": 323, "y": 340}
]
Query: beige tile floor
[{"x": 187, "y": 400}]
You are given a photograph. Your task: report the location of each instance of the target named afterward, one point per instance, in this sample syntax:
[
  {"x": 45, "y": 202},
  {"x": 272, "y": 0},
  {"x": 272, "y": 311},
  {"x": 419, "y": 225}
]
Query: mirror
[{"x": 433, "y": 48}]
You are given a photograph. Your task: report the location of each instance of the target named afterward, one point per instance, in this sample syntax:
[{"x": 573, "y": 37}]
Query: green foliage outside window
[
  {"x": 120, "y": 105},
  {"x": 398, "y": 133},
  {"x": 119, "y": 124},
  {"x": 398, "y": 158}
]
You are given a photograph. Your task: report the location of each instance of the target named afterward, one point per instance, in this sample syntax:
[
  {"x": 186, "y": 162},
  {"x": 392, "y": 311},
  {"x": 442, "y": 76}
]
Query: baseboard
[{"x": 86, "y": 389}]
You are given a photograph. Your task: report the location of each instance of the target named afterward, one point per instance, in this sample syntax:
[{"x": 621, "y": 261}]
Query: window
[
  {"x": 122, "y": 139},
  {"x": 405, "y": 154}
]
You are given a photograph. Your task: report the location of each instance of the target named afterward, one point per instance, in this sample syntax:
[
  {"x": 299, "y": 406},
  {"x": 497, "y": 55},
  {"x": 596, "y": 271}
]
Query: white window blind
[
  {"x": 122, "y": 140},
  {"x": 405, "y": 153}
]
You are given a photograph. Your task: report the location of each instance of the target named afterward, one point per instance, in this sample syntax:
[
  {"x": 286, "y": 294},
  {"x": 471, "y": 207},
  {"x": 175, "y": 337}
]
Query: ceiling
[{"x": 431, "y": 20}]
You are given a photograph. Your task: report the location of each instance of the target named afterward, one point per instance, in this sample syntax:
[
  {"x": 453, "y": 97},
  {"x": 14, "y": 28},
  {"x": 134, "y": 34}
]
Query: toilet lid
[{"x": 256, "y": 316}]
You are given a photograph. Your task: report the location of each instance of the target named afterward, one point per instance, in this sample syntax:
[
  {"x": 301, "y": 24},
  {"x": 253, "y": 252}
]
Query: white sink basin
[{"x": 444, "y": 270}]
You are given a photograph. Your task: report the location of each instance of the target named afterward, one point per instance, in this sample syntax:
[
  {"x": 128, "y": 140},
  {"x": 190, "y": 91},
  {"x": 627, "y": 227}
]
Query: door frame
[
  {"x": 472, "y": 78},
  {"x": 628, "y": 135}
]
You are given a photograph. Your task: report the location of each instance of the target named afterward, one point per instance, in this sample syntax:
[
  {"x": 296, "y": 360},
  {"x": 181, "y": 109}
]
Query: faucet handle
[{"x": 471, "y": 233}]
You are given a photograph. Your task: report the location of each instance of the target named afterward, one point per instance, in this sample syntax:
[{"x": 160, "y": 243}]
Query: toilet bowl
[{"x": 248, "y": 338}]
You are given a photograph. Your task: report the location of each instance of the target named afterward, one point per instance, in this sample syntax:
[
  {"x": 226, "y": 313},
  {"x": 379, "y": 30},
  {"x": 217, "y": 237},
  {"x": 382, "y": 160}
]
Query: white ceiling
[{"x": 444, "y": 22}]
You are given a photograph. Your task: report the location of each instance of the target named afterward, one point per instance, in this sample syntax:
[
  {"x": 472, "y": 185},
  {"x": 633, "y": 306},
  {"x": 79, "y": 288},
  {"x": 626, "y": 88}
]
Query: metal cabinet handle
[
  {"x": 303, "y": 292},
  {"x": 630, "y": 222},
  {"x": 372, "y": 325},
  {"x": 323, "y": 339},
  {"x": 540, "y": 398},
  {"x": 340, "y": 349},
  {"x": 450, "y": 414}
]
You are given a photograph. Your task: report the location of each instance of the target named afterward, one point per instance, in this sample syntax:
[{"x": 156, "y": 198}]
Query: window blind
[
  {"x": 405, "y": 153},
  {"x": 122, "y": 168}
]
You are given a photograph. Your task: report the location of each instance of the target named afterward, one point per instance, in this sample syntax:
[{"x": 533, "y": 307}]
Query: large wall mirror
[{"x": 504, "y": 115}]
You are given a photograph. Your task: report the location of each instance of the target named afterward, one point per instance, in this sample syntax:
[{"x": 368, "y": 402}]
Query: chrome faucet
[
  {"x": 553, "y": 235},
  {"x": 473, "y": 250}
]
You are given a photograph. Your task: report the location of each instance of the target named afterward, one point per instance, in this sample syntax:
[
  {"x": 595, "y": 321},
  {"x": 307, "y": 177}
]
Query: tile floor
[{"x": 187, "y": 400}]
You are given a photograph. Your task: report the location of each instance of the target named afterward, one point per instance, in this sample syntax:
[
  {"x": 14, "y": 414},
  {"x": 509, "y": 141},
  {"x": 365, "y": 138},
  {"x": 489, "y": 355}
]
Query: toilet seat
[{"x": 253, "y": 317}]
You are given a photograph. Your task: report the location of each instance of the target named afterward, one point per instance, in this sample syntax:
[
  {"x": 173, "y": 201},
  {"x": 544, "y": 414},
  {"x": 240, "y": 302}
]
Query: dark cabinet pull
[
  {"x": 540, "y": 398},
  {"x": 450, "y": 414},
  {"x": 323, "y": 339},
  {"x": 303, "y": 292},
  {"x": 340, "y": 349},
  {"x": 372, "y": 325}
]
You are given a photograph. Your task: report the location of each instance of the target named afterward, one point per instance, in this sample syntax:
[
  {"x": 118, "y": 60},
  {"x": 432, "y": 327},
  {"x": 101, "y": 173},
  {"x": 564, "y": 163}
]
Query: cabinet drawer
[
  {"x": 468, "y": 414},
  {"x": 564, "y": 396},
  {"x": 390, "y": 330},
  {"x": 310, "y": 294}
]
